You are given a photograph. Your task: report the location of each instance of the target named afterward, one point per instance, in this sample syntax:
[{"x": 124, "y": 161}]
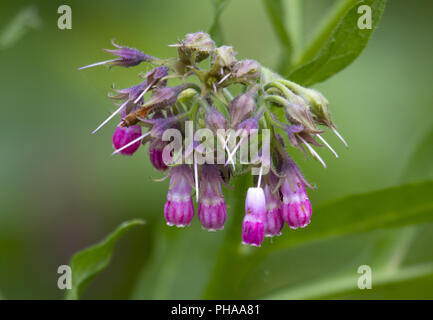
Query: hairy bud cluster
[{"x": 153, "y": 106}]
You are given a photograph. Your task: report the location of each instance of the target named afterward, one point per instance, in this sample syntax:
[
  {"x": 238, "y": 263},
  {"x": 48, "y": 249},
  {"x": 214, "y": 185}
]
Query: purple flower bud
[
  {"x": 273, "y": 221},
  {"x": 211, "y": 206},
  {"x": 156, "y": 148},
  {"x": 179, "y": 209},
  {"x": 159, "y": 125},
  {"x": 122, "y": 136},
  {"x": 253, "y": 224},
  {"x": 317, "y": 102},
  {"x": 297, "y": 112},
  {"x": 249, "y": 125},
  {"x": 242, "y": 107},
  {"x": 128, "y": 57},
  {"x": 155, "y": 75},
  {"x": 161, "y": 98},
  {"x": 215, "y": 120},
  {"x": 296, "y": 207},
  {"x": 130, "y": 93}
]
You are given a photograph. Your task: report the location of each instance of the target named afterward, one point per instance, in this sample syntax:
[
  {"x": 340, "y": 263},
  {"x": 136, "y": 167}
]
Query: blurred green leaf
[
  {"x": 297, "y": 267},
  {"x": 276, "y": 14},
  {"x": 87, "y": 263},
  {"x": 420, "y": 166},
  {"x": 349, "y": 281},
  {"x": 405, "y": 205},
  {"x": 215, "y": 30},
  {"x": 28, "y": 18},
  {"x": 344, "y": 44},
  {"x": 181, "y": 259},
  {"x": 350, "y": 216}
]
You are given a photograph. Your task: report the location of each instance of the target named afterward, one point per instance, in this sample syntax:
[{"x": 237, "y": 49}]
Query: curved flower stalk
[{"x": 192, "y": 108}]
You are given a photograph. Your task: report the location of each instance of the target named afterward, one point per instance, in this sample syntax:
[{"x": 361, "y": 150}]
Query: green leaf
[
  {"x": 344, "y": 44},
  {"x": 181, "y": 259},
  {"x": 215, "y": 30},
  {"x": 420, "y": 166},
  {"x": 276, "y": 14},
  {"x": 330, "y": 287},
  {"x": 404, "y": 205},
  {"x": 87, "y": 263}
]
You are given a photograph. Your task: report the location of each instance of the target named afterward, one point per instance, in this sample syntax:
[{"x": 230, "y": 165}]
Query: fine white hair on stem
[
  {"x": 96, "y": 64},
  {"x": 143, "y": 93},
  {"x": 131, "y": 143},
  {"x": 327, "y": 145},
  {"x": 111, "y": 116},
  {"x": 340, "y": 137},
  {"x": 224, "y": 78},
  {"x": 260, "y": 177},
  {"x": 313, "y": 152},
  {"x": 196, "y": 178}
]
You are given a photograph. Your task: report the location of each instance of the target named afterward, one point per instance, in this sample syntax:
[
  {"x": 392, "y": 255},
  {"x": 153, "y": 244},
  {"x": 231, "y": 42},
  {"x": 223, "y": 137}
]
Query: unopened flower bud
[
  {"x": 246, "y": 71},
  {"x": 122, "y": 136},
  {"x": 317, "y": 102},
  {"x": 156, "y": 148},
  {"x": 248, "y": 125},
  {"x": 161, "y": 98},
  {"x": 128, "y": 57},
  {"x": 224, "y": 57},
  {"x": 156, "y": 75},
  {"x": 242, "y": 107},
  {"x": 196, "y": 47},
  {"x": 215, "y": 120}
]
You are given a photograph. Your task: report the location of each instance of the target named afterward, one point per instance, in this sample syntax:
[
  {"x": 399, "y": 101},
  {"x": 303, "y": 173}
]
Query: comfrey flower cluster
[{"x": 202, "y": 100}]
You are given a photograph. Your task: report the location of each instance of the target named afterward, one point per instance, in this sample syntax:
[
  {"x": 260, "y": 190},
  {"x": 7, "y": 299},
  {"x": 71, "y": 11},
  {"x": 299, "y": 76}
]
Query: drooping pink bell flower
[
  {"x": 179, "y": 209},
  {"x": 211, "y": 206},
  {"x": 253, "y": 224},
  {"x": 273, "y": 221},
  {"x": 296, "y": 207}
]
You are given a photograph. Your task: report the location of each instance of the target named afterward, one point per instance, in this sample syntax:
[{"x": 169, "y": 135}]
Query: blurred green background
[{"x": 60, "y": 190}]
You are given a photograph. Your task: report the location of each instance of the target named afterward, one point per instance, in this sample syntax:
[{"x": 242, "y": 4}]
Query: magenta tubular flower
[
  {"x": 253, "y": 224},
  {"x": 123, "y": 135},
  {"x": 178, "y": 209},
  {"x": 273, "y": 221},
  {"x": 211, "y": 206},
  {"x": 156, "y": 148},
  {"x": 296, "y": 208}
]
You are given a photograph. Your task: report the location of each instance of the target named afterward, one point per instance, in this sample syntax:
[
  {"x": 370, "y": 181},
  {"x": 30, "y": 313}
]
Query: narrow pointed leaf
[
  {"x": 343, "y": 46},
  {"x": 87, "y": 263}
]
